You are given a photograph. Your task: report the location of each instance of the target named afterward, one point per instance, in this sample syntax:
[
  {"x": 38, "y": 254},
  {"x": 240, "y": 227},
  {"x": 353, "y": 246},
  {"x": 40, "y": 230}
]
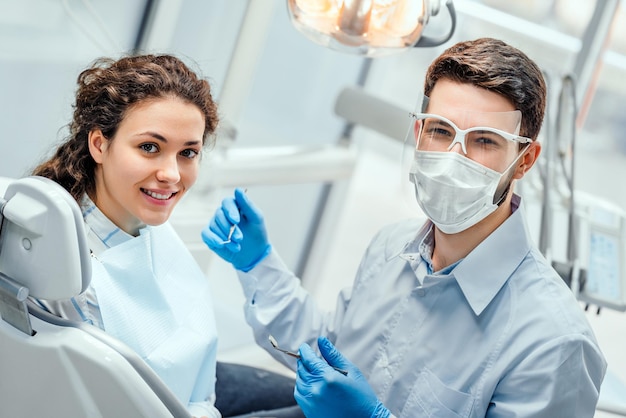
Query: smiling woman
[
  {"x": 139, "y": 126},
  {"x": 151, "y": 163},
  {"x": 109, "y": 92}
]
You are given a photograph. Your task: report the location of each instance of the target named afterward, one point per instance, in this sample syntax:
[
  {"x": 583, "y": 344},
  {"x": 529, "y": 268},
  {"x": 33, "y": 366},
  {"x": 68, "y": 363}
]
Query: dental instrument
[
  {"x": 296, "y": 355},
  {"x": 232, "y": 227}
]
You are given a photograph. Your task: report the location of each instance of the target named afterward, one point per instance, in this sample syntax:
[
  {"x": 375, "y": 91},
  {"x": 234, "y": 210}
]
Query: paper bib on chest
[{"x": 154, "y": 297}]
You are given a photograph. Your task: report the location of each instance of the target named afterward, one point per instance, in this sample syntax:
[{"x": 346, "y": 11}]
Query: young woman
[{"x": 139, "y": 127}]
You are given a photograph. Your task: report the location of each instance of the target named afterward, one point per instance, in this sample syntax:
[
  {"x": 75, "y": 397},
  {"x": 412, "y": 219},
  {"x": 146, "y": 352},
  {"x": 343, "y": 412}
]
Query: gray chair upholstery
[{"x": 50, "y": 366}]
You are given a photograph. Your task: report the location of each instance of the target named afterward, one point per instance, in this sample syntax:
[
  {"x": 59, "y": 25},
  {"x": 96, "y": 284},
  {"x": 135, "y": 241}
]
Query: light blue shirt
[{"x": 498, "y": 334}]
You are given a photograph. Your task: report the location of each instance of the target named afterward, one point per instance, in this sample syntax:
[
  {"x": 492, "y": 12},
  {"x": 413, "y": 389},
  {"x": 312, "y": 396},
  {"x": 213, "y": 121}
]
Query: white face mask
[{"x": 454, "y": 191}]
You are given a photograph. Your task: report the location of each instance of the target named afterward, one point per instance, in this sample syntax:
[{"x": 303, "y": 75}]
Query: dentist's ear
[{"x": 531, "y": 153}]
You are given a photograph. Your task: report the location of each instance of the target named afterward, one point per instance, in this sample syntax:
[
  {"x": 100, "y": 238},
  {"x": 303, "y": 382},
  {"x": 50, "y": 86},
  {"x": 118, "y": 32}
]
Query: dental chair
[{"x": 50, "y": 366}]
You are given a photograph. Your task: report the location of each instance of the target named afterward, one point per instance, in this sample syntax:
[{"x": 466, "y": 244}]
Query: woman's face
[{"x": 150, "y": 163}]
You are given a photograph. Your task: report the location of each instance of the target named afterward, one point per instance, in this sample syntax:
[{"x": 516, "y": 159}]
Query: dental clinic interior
[{"x": 314, "y": 108}]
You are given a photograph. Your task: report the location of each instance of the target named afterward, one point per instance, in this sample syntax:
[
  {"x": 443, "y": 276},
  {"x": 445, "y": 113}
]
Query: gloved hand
[
  {"x": 249, "y": 243},
  {"x": 323, "y": 392}
]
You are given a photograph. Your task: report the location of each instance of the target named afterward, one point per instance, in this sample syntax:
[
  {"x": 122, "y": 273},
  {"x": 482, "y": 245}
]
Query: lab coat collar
[{"x": 483, "y": 272}]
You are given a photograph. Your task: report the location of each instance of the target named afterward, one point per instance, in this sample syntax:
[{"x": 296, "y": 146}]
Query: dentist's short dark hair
[{"x": 498, "y": 67}]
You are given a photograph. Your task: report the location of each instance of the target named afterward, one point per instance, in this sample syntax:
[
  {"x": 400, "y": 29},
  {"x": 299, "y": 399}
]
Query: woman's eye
[
  {"x": 189, "y": 153},
  {"x": 149, "y": 148}
]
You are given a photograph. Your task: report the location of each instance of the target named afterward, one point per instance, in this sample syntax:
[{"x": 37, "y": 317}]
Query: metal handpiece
[
  {"x": 296, "y": 355},
  {"x": 282, "y": 350},
  {"x": 230, "y": 233},
  {"x": 232, "y": 227}
]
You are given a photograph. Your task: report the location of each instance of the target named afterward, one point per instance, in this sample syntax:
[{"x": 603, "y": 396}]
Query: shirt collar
[
  {"x": 486, "y": 269},
  {"x": 109, "y": 233},
  {"x": 483, "y": 272}
]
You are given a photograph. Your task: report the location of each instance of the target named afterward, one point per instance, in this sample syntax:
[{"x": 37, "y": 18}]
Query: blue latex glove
[
  {"x": 323, "y": 392},
  {"x": 249, "y": 243}
]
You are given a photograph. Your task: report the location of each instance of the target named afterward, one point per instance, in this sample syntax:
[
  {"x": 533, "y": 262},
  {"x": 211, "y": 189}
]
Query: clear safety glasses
[
  {"x": 486, "y": 137},
  {"x": 490, "y": 139},
  {"x": 437, "y": 133}
]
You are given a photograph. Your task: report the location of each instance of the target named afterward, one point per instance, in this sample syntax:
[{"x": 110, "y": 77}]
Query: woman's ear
[
  {"x": 531, "y": 153},
  {"x": 97, "y": 145}
]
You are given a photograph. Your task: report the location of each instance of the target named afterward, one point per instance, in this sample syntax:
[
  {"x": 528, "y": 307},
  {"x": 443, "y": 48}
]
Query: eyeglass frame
[{"x": 522, "y": 140}]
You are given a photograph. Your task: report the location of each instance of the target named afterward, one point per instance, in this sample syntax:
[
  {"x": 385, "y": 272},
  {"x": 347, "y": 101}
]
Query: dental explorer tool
[{"x": 296, "y": 355}]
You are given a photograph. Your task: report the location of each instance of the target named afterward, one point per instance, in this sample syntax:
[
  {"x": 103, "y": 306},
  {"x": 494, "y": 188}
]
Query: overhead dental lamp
[{"x": 369, "y": 27}]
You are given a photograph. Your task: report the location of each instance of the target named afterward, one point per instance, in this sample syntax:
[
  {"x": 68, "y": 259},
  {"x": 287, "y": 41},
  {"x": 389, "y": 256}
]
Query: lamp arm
[{"x": 429, "y": 41}]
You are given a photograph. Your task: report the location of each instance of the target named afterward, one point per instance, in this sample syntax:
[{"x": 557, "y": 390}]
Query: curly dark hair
[
  {"x": 496, "y": 66},
  {"x": 107, "y": 91}
]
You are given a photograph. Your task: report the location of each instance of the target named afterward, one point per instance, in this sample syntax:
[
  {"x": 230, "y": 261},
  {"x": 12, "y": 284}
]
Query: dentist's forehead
[
  {"x": 468, "y": 106},
  {"x": 466, "y": 118},
  {"x": 448, "y": 93}
]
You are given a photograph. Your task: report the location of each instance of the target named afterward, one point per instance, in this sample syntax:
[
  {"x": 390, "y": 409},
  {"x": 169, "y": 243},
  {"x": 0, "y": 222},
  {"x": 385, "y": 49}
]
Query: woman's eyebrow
[{"x": 161, "y": 138}]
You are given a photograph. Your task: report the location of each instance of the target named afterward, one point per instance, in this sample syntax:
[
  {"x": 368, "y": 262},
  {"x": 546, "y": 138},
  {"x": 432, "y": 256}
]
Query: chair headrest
[{"x": 43, "y": 245}]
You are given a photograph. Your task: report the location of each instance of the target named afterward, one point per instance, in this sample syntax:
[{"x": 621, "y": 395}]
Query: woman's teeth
[{"x": 157, "y": 195}]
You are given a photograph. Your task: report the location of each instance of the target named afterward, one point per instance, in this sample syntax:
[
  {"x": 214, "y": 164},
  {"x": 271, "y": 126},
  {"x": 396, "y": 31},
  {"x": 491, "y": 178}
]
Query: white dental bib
[{"x": 154, "y": 297}]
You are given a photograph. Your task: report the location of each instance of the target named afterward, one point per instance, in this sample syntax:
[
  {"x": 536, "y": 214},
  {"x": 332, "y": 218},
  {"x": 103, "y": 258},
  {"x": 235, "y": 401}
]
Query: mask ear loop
[{"x": 498, "y": 200}]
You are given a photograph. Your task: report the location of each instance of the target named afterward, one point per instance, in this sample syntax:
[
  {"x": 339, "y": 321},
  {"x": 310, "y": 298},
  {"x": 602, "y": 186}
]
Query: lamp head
[{"x": 367, "y": 27}]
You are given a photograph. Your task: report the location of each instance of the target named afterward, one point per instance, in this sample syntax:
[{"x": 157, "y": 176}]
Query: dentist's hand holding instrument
[
  {"x": 296, "y": 355},
  {"x": 237, "y": 232},
  {"x": 321, "y": 392}
]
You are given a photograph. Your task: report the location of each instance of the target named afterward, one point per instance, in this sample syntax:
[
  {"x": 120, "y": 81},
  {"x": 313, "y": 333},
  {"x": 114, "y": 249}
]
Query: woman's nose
[{"x": 167, "y": 171}]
